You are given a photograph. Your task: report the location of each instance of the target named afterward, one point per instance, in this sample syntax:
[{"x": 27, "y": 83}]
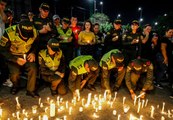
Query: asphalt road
[{"x": 157, "y": 99}]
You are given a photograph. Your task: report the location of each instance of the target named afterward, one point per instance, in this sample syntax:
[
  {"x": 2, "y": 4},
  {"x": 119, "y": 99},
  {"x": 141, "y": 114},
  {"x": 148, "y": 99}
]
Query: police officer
[
  {"x": 83, "y": 68},
  {"x": 139, "y": 74},
  {"x": 17, "y": 45},
  {"x": 52, "y": 66},
  {"x": 44, "y": 24},
  {"x": 113, "y": 39},
  {"x": 132, "y": 41},
  {"x": 112, "y": 61}
]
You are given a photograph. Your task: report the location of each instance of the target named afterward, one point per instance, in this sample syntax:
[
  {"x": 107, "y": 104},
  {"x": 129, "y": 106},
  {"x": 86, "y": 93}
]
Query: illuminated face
[
  {"x": 2, "y": 5},
  {"x": 134, "y": 26},
  {"x": 96, "y": 28},
  {"x": 117, "y": 26},
  {"x": 148, "y": 29},
  {"x": 169, "y": 33},
  {"x": 65, "y": 25},
  {"x": 87, "y": 26},
  {"x": 73, "y": 20},
  {"x": 44, "y": 13}
]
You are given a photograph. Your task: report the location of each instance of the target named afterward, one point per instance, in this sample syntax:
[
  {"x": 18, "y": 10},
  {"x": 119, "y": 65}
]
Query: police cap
[
  {"x": 45, "y": 6},
  {"x": 135, "y": 22},
  {"x": 93, "y": 64},
  {"x": 117, "y": 21},
  {"x": 66, "y": 20},
  {"x": 53, "y": 44},
  {"x": 137, "y": 64}
]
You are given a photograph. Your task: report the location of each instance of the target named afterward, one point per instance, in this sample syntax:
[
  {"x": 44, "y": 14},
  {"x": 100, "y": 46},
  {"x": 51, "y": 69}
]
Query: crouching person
[
  {"x": 113, "y": 61},
  {"x": 139, "y": 75},
  {"x": 52, "y": 67},
  {"x": 83, "y": 70}
]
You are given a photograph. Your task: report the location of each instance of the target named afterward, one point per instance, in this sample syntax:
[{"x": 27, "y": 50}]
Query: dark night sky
[{"x": 127, "y": 8}]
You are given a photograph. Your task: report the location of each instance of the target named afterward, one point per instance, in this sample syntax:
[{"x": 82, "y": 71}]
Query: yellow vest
[
  {"x": 52, "y": 64},
  {"x": 66, "y": 35},
  {"x": 19, "y": 46}
]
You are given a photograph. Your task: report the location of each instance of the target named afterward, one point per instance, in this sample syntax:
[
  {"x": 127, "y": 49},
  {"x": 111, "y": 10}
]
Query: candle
[
  {"x": 105, "y": 94},
  {"x": 45, "y": 110},
  {"x": 135, "y": 101},
  {"x": 65, "y": 117},
  {"x": 41, "y": 105},
  {"x": 126, "y": 108},
  {"x": 70, "y": 110},
  {"x": 58, "y": 100},
  {"x": 0, "y": 112},
  {"x": 115, "y": 97},
  {"x": 80, "y": 109},
  {"x": 119, "y": 117},
  {"x": 95, "y": 115},
  {"x": 152, "y": 112},
  {"x": 25, "y": 118},
  {"x": 88, "y": 100},
  {"x": 163, "y": 108},
  {"x": 18, "y": 115},
  {"x": 124, "y": 98},
  {"x": 162, "y": 118},
  {"x": 169, "y": 114},
  {"x": 139, "y": 106},
  {"x": 114, "y": 112},
  {"x": 143, "y": 101},
  {"x": 39, "y": 101},
  {"x": 45, "y": 117},
  {"x": 24, "y": 56},
  {"x": 48, "y": 99},
  {"x": 18, "y": 106},
  {"x": 146, "y": 103},
  {"x": 141, "y": 117},
  {"x": 83, "y": 101},
  {"x": 66, "y": 104},
  {"x": 52, "y": 109},
  {"x": 34, "y": 109},
  {"x": 100, "y": 107}
]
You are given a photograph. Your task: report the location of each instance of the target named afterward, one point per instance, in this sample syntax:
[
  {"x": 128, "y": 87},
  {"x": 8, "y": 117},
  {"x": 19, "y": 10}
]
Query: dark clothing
[
  {"x": 44, "y": 37},
  {"x": 113, "y": 40},
  {"x": 144, "y": 75},
  {"x": 15, "y": 71},
  {"x": 131, "y": 51},
  {"x": 99, "y": 46}
]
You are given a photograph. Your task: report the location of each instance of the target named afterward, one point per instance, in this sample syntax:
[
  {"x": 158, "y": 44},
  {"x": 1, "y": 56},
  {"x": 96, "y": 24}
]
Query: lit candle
[
  {"x": 141, "y": 117},
  {"x": 0, "y": 112},
  {"x": 18, "y": 106},
  {"x": 45, "y": 110},
  {"x": 115, "y": 97},
  {"x": 126, "y": 108},
  {"x": 95, "y": 115},
  {"x": 143, "y": 101},
  {"x": 65, "y": 117},
  {"x": 18, "y": 115},
  {"x": 58, "y": 100},
  {"x": 162, "y": 118},
  {"x": 25, "y": 118},
  {"x": 66, "y": 104},
  {"x": 105, "y": 94},
  {"x": 70, "y": 110},
  {"x": 152, "y": 112},
  {"x": 78, "y": 94},
  {"x": 80, "y": 109},
  {"x": 52, "y": 109},
  {"x": 48, "y": 99},
  {"x": 169, "y": 114},
  {"x": 61, "y": 100},
  {"x": 119, "y": 117},
  {"x": 24, "y": 56},
  {"x": 100, "y": 107},
  {"x": 114, "y": 112},
  {"x": 34, "y": 109},
  {"x": 41, "y": 105},
  {"x": 45, "y": 117},
  {"x": 111, "y": 104},
  {"x": 124, "y": 98},
  {"x": 88, "y": 100},
  {"x": 146, "y": 103},
  {"x": 83, "y": 101},
  {"x": 163, "y": 108},
  {"x": 135, "y": 101},
  {"x": 139, "y": 106},
  {"x": 39, "y": 101}
]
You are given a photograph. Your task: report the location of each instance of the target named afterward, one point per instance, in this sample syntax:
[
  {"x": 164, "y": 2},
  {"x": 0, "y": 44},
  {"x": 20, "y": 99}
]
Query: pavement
[{"x": 158, "y": 107}]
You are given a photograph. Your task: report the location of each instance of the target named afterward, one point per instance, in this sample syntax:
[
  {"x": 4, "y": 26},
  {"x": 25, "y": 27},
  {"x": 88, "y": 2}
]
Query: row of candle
[{"x": 96, "y": 102}]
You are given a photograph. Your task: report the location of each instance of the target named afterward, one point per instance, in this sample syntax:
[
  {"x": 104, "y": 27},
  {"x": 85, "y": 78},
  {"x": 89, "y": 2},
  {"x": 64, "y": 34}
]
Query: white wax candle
[
  {"x": 66, "y": 104},
  {"x": 152, "y": 112},
  {"x": 124, "y": 98},
  {"x": 45, "y": 117},
  {"x": 52, "y": 109},
  {"x": 24, "y": 56},
  {"x": 114, "y": 112},
  {"x": 143, "y": 102},
  {"x": 146, "y": 103},
  {"x": 39, "y": 101},
  {"x": 70, "y": 110},
  {"x": 0, "y": 112},
  {"x": 80, "y": 109}
]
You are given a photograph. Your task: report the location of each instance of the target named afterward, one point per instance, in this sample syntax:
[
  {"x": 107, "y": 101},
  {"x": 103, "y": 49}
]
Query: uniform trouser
[
  {"x": 75, "y": 80},
  {"x": 56, "y": 83},
  {"x": 4, "y": 72},
  {"x": 129, "y": 55},
  {"x": 15, "y": 71},
  {"x": 88, "y": 50},
  {"x": 139, "y": 81},
  {"x": 105, "y": 82}
]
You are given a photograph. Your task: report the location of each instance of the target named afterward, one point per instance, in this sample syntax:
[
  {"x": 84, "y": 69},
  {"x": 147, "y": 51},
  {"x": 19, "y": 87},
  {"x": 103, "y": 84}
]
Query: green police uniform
[
  {"x": 14, "y": 46},
  {"x": 139, "y": 71},
  {"x": 107, "y": 66},
  {"x": 77, "y": 71},
  {"x": 48, "y": 66}
]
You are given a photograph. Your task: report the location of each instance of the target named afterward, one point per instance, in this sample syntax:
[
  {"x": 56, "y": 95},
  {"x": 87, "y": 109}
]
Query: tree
[{"x": 103, "y": 20}]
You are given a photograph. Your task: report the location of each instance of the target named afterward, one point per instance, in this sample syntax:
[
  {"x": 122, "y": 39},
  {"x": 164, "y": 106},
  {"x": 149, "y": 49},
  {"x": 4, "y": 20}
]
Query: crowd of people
[{"x": 71, "y": 57}]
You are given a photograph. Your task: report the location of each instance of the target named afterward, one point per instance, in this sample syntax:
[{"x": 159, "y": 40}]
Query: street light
[
  {"x": 101, "y": 4},
  {"x": 156, "y": 23},
  {"x": 140, "y": 17},
  {"x": 118, "y": 16}
]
